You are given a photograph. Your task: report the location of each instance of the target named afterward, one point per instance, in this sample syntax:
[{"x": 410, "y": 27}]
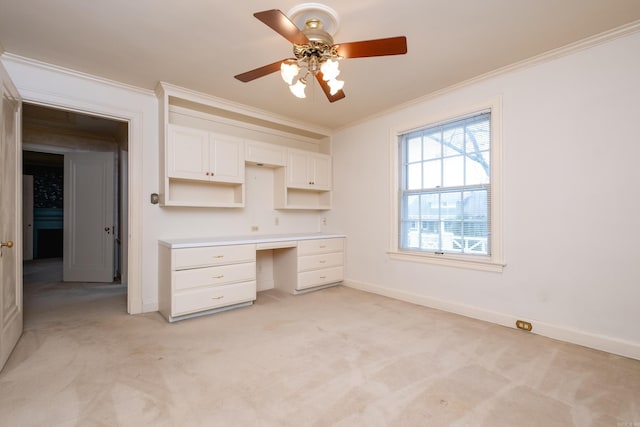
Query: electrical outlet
[
  {"x": 277, "y": 221},
  {"x": 525, "y": 326},
  {"x": 324, "y": 221},
  {"x": 254, "y": 228}
]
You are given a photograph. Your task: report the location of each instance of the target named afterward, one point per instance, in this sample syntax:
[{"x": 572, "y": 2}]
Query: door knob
[{"x": 8, "y": 244}]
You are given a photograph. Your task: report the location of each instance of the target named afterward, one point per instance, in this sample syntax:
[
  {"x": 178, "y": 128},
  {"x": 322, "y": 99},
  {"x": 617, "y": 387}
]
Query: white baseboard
[{"x": 586, "y": 339}]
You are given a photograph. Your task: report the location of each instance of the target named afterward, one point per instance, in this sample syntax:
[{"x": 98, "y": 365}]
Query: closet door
[{"x": 89, "y": 217}]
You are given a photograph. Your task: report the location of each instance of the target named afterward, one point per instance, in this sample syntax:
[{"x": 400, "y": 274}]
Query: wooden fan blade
[
  {"x": 282, "y": 25},
  {"x": 327, "y": 90},
  {"x": 259, "y": 72},
  {"x": 377, "y": 47}
]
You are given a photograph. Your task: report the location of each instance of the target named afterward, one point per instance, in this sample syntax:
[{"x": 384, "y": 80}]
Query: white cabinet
[
  {"x": 203, "y": 165},
  {"x": 202, "y": 280},
  {"x": 265, "y": 154},
  {"x": 203, "y": 168},
  {"x": 313, "y": 264},
  {"x": 320, "y": 262},
  {"x": 200, "y": 155},
  {"x": 305, "y": 182},
  {"x": 308, "y": 170},
  {"x": 201, "y": 276},
  {"x": 187, "y": 154}
]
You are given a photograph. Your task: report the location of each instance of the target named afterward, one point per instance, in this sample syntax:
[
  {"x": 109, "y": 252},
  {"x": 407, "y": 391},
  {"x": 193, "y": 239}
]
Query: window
[{"x": 447, "y": 204}]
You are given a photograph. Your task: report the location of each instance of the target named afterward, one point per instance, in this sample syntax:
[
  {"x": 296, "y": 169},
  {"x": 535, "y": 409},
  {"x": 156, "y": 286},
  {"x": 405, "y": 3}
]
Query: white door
[
  {"x": 10, "y": 218},
  {"x": 88, "y": 244}
]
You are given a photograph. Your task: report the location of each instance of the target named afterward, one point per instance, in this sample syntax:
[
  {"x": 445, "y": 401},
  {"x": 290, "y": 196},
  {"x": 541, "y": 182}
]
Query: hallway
[{"x": 46, "y": 295}]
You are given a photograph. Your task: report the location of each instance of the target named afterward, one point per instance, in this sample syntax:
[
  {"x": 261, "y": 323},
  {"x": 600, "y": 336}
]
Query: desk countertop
[{"x": 195, "y": 242}]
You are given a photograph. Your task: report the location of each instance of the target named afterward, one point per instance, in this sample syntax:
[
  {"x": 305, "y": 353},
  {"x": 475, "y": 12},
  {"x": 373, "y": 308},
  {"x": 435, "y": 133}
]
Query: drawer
[
  {"x": 201, "y": 299},
  {"x": 212, "y": 255},
  {"x": 309, "y": 279},
  {"x": 276, "y": 245},
  {"x": 314, "y": 262},
  {"x": 320, "y": 246},
  {"x": 216, "y": 276}
]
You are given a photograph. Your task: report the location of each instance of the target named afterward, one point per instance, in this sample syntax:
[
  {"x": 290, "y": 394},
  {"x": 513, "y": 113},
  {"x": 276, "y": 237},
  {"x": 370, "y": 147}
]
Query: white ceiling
[{"x": 201, "y": 44}]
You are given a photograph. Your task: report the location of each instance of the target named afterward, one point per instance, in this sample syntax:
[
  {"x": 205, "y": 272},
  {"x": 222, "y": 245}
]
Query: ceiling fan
[{"x": 316, "y": 55}]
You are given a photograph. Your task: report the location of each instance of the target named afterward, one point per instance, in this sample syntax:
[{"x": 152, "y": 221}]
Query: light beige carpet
[{"x": 337, "y": 357}]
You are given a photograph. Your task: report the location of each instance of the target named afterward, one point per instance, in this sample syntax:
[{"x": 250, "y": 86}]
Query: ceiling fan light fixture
[
  {"x": 335, "y": 86},
  {"x": 329, "y": 69},
  {"x": 289, "y": 70},
  {"x": 298, "y": 89},
  {"x": 310, "y": 28}
]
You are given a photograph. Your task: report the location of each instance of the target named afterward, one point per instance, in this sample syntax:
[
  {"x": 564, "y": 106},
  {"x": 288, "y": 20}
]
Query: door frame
[{"x": 134, "y": 127}]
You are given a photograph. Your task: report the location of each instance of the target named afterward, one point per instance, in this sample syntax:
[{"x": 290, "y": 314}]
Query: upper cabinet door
[
  {"x": 308, "y": 170},
  {"x": 320, "y": 167},
  {"x": 265, "y": 154},
  {"x": 201, "y": 155},
  {"x": 188, "y": 153},
  {"x": 298, "y": 175},
  {"x": 226, "y": 158}
]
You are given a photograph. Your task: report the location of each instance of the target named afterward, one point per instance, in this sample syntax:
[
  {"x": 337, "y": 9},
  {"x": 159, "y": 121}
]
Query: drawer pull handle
[
  {"x": 218, "y": 256},
  {"x": 323, "y": 261},
  {"x": 322, "y": 246},
  {"x": 220, "y": 297},
  {"x": 218, "y": 277},
  {"x": 323, "y": 277}
]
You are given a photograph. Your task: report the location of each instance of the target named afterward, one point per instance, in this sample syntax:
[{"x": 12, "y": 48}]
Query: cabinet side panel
[{"x": 164, "y": 281}]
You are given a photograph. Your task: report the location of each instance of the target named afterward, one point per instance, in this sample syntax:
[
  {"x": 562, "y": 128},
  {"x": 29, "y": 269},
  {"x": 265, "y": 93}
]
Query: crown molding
[
  {"x": 571, "y": 48},
  {"x": 73, "y": 73},
  {"x": 213, "y": 100}
]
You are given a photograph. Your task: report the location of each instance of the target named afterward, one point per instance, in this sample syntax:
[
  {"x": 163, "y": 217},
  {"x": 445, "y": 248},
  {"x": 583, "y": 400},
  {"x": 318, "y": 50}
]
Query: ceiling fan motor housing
[{"x": 320, "y": 46}]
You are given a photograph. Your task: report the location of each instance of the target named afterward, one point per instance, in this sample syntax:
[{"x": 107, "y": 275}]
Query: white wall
[
  {"x": 571, "y": 229},
  {"x": 44, "y": 84},
  {"x": 571, "y": 201}
]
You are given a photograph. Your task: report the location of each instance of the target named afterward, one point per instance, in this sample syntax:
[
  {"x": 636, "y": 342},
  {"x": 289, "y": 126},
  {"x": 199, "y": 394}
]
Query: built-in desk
[{"x": 199, "y": 276}]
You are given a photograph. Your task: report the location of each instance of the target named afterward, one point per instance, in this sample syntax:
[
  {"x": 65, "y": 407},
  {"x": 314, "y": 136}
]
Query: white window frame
[{"x": 495, "y": 260}]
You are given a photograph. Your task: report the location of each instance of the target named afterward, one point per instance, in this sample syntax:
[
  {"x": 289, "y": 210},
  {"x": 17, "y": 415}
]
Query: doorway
[{"x": 50, "y": 135}]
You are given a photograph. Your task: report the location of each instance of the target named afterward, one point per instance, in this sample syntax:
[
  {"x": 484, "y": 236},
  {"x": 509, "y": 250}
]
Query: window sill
[{"x": 449, "y": 260}]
